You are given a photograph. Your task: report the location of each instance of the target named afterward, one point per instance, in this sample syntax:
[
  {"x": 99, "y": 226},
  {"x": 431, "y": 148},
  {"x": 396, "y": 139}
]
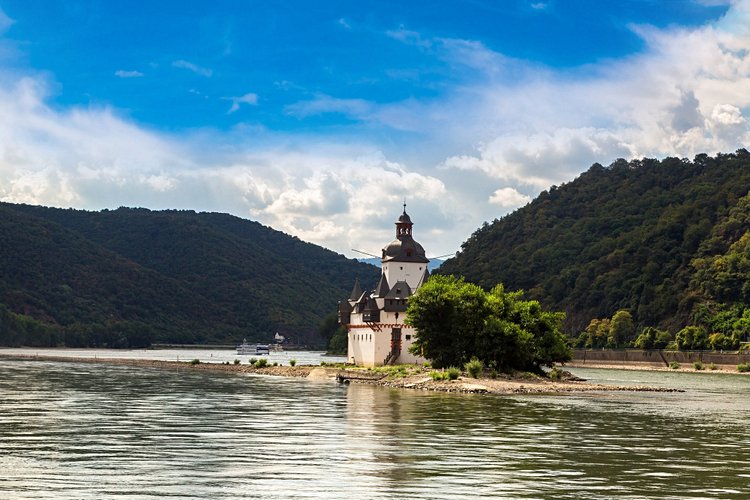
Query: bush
[
  {"x": 712, "y": 366},
  {"x": 292, "y": 362},
  {"x": 252, "y": 361},
  {"x": 674, "y": 365},
  {"x": 194, "y": 361},
  {"x": 236, "y": 362},
  {"x": 493, "y": 373},
  {"x": 555, "y": 374},
  {"x": 474, "y": 367},
  {"x": 275, "y": 363},
  {"x": 698, "y": 365},
  {"x": 453, "y": 373},
  {"x": 438, "y": 375},
  {"x": 744, "y": 367},
  {"x": 261, "y": 363}
]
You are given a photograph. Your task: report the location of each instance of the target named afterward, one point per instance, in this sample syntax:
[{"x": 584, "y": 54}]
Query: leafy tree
[
  {"x": 456, "y": 321},
  {"x": 691, "y": 338},
  {"x": 621, "y": 329}
]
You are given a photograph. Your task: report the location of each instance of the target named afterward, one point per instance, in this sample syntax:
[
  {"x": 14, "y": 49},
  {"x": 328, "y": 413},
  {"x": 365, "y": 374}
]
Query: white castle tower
[{"x": 375, "y": 319}]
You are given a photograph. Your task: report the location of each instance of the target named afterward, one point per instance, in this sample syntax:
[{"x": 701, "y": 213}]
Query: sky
[{"x": 320, "y": 119}]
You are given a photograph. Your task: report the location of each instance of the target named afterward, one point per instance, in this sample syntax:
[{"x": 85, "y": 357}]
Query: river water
[{"x": 84, "y": 431}]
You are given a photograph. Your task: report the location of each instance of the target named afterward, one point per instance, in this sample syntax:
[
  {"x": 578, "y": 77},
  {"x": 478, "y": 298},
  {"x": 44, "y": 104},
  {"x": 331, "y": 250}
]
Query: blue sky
[{"x": 319, "y": 118}]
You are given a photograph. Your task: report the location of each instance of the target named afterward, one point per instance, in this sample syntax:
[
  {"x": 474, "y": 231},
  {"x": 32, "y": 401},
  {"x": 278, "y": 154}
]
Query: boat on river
[{"x": 257, "y": 349}]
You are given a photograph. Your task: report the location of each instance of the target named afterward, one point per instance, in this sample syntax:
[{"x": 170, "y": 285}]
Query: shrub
[
  {"x": 322, "y": 363},
  {"x": 292, "y": 362},
  {"x": 554, "y": 374},
  {"x": 261, "y": 363},
  {"x": 698, "y": 365},
  {"x": 275, "y": 363},
  {"x": 474, "y": 367},
  {"x": 427, "y": 364},
  {"x": 195, "y": 361},
  {"x": 453, "y": 373},
  {"x": 437, "y": 375},
  {"x": 744, "y": 367},
  {"x": 712, "y": 366},
  {"x": 252, "y": 361},
  {"x": 674, "y": 365},
  {"x": 493, "y": 373},
  {"x": 236, "y": 362}
]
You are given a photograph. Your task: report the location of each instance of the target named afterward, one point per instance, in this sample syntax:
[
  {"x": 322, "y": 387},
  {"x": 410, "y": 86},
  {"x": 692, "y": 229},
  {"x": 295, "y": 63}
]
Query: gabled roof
[
  {"x": 381, "y": 289},
  {"x": 400, "y": 290},
  {"x": 357, "y": 291},
  {"x": 424, "y": 278},
  {"x": 371, "y": 305}
]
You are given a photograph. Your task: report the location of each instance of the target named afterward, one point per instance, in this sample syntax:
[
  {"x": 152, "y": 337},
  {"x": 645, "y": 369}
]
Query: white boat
[{"x": 245, "y": 348}]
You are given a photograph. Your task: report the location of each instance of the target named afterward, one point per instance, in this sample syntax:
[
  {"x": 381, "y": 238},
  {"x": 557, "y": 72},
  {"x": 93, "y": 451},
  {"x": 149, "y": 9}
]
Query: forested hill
[
  {"x": 129, "y": 277},
  {"x": 665, "y": 240}
]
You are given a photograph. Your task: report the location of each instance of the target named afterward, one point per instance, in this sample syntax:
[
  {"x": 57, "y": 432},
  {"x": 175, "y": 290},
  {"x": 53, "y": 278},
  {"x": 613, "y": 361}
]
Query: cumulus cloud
[
  {"x": 198, "y": 70},
  {"x": 509, "y": 197},
  {"x": 121, "y": 73},
  {"x": 499, "y": 122},
  {"x": 249, "y": 98}
]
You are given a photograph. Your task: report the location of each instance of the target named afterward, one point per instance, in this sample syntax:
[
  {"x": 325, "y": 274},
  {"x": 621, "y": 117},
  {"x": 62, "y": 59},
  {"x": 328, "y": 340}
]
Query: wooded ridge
[
  {"x": 665, "y": 240},
  {"x": 131, "y": 276}
]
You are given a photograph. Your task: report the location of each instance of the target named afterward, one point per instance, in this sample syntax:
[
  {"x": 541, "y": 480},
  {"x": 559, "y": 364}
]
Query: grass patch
[
  {"x": 474, "y": 367},
  {"x": 743, "y": 367},
  {"x": 674, "y": 365},
  {"x": 712, "y": 366},
  {"x": 438, "y": 375},
  {"x": 453, "y": 373},
  {"x": 698, "y": 365}
]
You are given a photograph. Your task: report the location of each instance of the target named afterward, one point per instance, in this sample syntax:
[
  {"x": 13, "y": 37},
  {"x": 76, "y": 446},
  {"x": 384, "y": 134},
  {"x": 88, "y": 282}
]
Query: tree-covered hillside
[
  {"x": 133, "y": 276},
  {"x": 665, "y": 240}
]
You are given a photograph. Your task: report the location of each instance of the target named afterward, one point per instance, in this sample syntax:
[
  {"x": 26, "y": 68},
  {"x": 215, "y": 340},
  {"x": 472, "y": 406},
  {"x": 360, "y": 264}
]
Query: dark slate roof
[
  {"x": 404, "y": 249},
  {"x": 400, "y": 290},
  {"x": 424, "y": 277},
  {"x": 371, "y": 305},
  {"x": 357, "y": 291},
  {"x": 381, "y": 289}
]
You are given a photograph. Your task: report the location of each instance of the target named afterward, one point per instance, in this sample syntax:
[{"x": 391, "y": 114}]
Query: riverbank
[
  {"x": 411, "y": 377},
  {"x": 658, "y": 360}
]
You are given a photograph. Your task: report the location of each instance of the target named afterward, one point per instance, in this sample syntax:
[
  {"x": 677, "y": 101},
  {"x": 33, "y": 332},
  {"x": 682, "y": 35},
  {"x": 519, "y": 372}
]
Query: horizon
[{"x": 319, "y": 121}]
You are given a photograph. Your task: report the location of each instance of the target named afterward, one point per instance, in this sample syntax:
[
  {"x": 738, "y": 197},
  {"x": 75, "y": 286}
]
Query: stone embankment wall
[{"x": 656, "y": 358}]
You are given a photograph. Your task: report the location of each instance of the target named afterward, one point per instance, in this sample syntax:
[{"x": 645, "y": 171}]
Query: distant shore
[{"x": 415, "y": 380}]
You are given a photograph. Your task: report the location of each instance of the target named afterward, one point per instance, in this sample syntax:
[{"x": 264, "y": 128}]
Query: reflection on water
[{"x": 72, "y": 430}]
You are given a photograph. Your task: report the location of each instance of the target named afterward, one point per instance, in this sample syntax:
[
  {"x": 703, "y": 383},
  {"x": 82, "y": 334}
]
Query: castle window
[{"x": 408, "y": 337}]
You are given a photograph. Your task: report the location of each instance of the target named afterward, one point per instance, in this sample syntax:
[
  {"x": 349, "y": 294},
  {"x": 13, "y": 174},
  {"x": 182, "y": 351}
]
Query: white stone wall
[{"x": 411, "y": 272}]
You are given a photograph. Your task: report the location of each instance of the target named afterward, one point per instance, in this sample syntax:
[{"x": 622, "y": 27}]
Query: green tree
[
  {"x": 691, "y": 337},
  {"x": 621, "y": 328},
  {"x": 456, "y": 321}
]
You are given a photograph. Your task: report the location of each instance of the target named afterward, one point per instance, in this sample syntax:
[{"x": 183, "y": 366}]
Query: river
[{"x": 84, "y": 431}]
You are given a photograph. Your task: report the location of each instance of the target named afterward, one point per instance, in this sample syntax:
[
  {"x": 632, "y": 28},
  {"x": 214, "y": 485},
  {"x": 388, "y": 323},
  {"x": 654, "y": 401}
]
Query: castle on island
[{"x": 374, "y": 319}]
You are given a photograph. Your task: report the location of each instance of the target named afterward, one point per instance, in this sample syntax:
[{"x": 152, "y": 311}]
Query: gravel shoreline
[{"x": 421, "y": 380}]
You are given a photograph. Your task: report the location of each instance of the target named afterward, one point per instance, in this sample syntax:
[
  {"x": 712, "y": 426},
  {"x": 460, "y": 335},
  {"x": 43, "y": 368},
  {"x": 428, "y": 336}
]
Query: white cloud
[
  {"x": 128, "y": 74},
  {"x": 321, "y": 104},
  {"x": 199, "y": 70},
  {"x": 509, "y": 197},
  {"x": 5, "y": 22},
  {"x": 501, "y": 122},
  {"x": 249, "y": 98}
]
